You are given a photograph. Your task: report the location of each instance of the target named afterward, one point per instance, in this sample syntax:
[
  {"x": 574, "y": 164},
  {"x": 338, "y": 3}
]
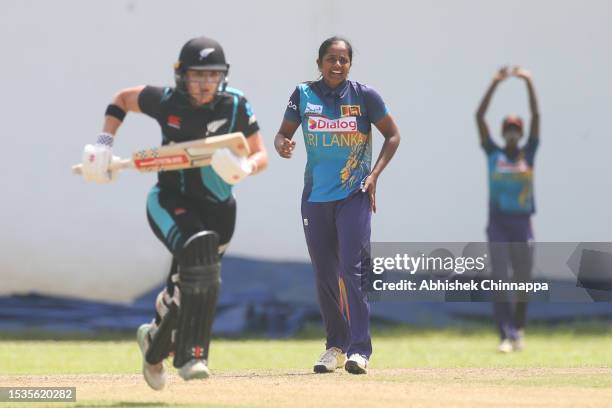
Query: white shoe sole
[
  {"x": 194, "y": 372},
  {"x": 155, "y": 383}
]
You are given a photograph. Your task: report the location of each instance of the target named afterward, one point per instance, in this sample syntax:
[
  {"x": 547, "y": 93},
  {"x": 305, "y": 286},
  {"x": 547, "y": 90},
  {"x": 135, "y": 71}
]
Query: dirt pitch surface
[{"x": 567, "y": 387}]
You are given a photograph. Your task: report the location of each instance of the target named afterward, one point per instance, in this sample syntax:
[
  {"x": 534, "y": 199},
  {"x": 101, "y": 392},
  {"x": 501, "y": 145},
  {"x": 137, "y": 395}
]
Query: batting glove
[
  {"x": 229, "y": 167},
  {"x": 97, "y": 161}
]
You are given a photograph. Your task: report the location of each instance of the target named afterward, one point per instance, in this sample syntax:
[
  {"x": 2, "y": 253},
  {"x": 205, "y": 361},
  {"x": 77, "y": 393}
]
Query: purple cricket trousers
[
  {"x": 338, "y": 239},
  {"x": 509, "y": 245}
]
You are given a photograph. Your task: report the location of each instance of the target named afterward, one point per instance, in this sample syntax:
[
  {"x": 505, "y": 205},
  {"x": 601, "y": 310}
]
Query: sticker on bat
[{"x": 161, "y": 161}]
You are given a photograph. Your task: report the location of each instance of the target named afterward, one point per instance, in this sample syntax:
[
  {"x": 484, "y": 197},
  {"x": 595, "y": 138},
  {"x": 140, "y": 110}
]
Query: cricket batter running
[{"x": 191, "y": 211}]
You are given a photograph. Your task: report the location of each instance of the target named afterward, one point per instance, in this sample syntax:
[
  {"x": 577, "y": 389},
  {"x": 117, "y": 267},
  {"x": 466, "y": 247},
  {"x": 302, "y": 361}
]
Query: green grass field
[{"x": 569, "y": 365}]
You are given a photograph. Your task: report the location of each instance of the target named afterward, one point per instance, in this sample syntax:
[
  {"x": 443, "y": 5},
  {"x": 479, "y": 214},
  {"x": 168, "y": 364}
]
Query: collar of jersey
[{"x": 340, "y": 90}]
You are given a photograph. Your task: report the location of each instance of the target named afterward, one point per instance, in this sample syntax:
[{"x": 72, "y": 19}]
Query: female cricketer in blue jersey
[
  {"x": 511, "y": 204},
  {"x": 339, "y": 195}
]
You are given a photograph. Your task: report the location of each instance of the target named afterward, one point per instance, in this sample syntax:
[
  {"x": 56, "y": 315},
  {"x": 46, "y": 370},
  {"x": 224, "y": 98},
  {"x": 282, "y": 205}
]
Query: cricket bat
[{"x": 178, "y": 156}]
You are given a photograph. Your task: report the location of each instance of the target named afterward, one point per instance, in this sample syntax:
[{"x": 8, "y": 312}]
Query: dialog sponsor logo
[
  {"x": 504, "y": 166},
  {"x": 320, "y": 124}
]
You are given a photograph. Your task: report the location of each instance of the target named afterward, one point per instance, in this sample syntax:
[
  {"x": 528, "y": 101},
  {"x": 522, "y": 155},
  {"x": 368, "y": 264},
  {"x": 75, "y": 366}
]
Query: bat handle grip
[{"x": 116, "y": 165}]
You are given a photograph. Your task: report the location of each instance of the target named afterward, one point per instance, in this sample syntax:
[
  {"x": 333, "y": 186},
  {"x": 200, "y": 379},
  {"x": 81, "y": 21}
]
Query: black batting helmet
[{"x": 201, "y": 53}]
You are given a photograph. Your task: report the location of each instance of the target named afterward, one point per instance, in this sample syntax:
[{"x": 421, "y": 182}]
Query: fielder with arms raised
[
  {"x": 511, "y": 205},
  {"x": 191, "y": 211}
]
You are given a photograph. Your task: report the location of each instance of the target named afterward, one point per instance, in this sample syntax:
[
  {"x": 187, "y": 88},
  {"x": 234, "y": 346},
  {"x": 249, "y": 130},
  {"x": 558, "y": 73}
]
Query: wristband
[{"x": 115, "y": 111}]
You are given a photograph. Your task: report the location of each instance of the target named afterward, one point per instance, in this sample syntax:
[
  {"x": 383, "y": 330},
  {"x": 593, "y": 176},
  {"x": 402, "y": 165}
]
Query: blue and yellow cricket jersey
[
  {"x": 337, "y": 128},
  {"x": 511, "y": 179}
]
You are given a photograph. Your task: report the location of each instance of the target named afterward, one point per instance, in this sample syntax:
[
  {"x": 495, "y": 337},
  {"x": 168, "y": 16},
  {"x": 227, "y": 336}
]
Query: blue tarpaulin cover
[{"x": 271, "y": 298}]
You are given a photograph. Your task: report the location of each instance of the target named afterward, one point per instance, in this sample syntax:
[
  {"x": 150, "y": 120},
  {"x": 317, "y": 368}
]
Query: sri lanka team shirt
[
  {"x": 337, "y": 128},
  {"x": 511, "y": 178}
]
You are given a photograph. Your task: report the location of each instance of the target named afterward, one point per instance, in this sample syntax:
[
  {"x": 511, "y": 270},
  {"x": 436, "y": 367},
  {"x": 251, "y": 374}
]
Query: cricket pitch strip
[{"x": 422, "y": 387}]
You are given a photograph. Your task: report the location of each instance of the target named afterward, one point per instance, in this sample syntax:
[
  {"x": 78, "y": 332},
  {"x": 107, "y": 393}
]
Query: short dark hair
[
  {"x": 512, "y": 121},
  {"x": 327, "y": 43}
]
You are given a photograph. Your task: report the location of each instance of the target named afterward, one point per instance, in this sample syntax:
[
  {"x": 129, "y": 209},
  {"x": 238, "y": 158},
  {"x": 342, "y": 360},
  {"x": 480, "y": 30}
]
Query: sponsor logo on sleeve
[
  {"x": 292, "y": 105},
  {"x": 321, "y": 124}
]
